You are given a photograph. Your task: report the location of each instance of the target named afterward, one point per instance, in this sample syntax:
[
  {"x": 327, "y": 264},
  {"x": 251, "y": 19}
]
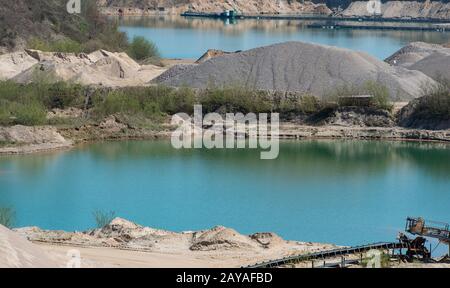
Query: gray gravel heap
[
  {"x": 301, "y": 67},
  {"x": 430, "y": 59}
]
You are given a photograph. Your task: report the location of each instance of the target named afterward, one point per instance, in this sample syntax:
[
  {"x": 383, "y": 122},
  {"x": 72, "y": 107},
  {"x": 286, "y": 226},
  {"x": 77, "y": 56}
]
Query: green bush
[
  {"x": 63, "y": 95},
  {"x": 30, "y": 114},
  {"x": 7, "y": 216},
  {"x": 379, "y": 93},
  {"x": 142, "y": 49},
  {"x": 436, "y": 103},
  {"x": 235, "y": 99}
]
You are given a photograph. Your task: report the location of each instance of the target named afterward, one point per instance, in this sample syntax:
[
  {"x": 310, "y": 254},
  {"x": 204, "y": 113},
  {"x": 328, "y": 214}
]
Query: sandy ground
[{"x": 116, "y": 258}]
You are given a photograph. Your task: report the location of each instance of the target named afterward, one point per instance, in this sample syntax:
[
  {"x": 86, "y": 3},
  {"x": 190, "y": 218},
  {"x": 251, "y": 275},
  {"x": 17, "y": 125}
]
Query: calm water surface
[
  {"x": 179, "y": 37},
  {"x": 328, "y": 191}
]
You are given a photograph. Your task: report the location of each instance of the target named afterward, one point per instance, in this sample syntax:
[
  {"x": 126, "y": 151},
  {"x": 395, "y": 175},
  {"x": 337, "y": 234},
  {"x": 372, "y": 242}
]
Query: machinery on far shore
[
  {"x": 425, "y": 228},
  {"x": 415, "y": 248}
]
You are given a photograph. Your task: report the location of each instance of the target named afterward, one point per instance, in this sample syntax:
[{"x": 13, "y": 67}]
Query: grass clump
[
  {"x": 66, "y": 45},
  {"x": 7, "y": 217},
  {"x": 103, "y": 218}
]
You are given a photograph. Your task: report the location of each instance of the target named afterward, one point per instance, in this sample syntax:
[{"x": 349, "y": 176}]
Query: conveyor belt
[{"x": 329, "y": 254}]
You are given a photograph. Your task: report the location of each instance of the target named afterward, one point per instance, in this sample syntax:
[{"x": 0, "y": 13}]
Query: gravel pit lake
[
  {"x": 343, "y": 192},
  {"x": 189, "y": 38}
]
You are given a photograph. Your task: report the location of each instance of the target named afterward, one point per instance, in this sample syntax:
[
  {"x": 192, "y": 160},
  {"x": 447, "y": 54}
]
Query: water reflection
[
  {"x": 199, "y": 34},
  {"x": 346, "y": 192}
]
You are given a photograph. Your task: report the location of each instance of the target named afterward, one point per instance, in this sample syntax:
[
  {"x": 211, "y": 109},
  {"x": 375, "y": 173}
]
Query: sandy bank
[{"x": 125, "y": 244}]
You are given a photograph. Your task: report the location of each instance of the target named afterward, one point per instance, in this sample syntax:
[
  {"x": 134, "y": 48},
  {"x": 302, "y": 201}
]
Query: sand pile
[
  {"x": 431, "y": 59},
  {"x": 301, "y": 67},
  {"x": 220, "y": 238},
  {"x": 17, "y": 252},
  {"x": 98, "y": 68},
  {"x": 124, "y": 234},
  {"x": 14, "y": 63}
]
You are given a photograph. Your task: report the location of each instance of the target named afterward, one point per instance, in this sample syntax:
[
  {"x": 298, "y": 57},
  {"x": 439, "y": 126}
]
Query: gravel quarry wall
[
  {"x": 402, "y": 9},
  {"x": 301, "y": 67}
]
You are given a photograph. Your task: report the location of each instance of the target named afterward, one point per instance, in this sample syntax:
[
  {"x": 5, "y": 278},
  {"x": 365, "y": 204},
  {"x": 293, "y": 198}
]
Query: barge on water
[{"x": 234, "y": 14}]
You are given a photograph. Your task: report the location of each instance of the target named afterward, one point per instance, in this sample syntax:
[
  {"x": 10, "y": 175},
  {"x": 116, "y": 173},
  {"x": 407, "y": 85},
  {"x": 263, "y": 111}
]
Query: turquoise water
[
  {"x": 345, "y": 192},
  {"x": 178, "y": 37}
]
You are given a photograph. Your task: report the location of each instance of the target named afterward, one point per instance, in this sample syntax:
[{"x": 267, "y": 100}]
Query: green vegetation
[
  {"x": 66, "y": 45},
  {"x": 385, "y": 261},
  {"x": 7, "y": 216},
  {"x": 141, "y": 49},
  {"x": 341, "y": 96},
  {"x": 103, "y": 218},
  {"x": 46, "y": 25},
  {"x": 143, "y": 107},
  {"x": 436, "y": 103}
]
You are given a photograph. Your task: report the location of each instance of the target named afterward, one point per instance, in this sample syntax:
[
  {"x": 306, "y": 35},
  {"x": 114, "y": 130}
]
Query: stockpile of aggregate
[{"x": 301, "y": 67}]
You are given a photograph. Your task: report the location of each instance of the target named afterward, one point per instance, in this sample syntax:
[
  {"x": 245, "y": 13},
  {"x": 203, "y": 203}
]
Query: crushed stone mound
[
  {"x": 17, "y": 252},
  {"x": 219, "y": 238},
  {"x": 302, "y": 67},
  {"x": 98, "y": 68},
  {"x": 430, "y": 59},
  {"x": 175, "y": 70}
]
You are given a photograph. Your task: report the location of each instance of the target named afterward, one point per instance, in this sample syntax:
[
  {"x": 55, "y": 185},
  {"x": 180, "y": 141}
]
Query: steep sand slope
[
  {"x": 301, "y": 67},
  {"x": 16, "y": 252}
]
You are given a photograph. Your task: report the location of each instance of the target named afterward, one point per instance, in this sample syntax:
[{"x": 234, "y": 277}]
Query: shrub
[
  {"x": 103, "y": 218},
  {"x": 436, "y": 103},
  {"x": 63, "y": 95},
  {"x": 235, "y": 99},
  {"x": 141, "y": 49},
  {"x": 7, "y": 216},
  {"x": 379, "y": 93},
  {"x": 29, "y": 114}
]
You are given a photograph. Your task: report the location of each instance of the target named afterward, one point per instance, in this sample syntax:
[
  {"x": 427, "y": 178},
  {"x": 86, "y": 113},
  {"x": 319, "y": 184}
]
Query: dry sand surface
[
  {"x": 17, "y": 252},
  {"x": 126, "y": 244},
  {"x": 301, "y": 67},
  {"x": 98, "y": 68}
]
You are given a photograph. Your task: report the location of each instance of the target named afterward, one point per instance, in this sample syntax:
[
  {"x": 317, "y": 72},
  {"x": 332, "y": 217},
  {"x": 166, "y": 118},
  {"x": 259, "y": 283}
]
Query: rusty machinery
[{"x": 424, "y": 228}]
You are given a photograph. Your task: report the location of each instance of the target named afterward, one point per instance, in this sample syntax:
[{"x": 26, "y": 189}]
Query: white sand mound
[
  {"x": 17, "y": 252},
  {"x": 98, "y": 68},
  {"x": 301, "y": 67},
  {"x": 14, "y": 63},
  {"x": 431, "y": 59},
  {"x": 220, "y": 238}
]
